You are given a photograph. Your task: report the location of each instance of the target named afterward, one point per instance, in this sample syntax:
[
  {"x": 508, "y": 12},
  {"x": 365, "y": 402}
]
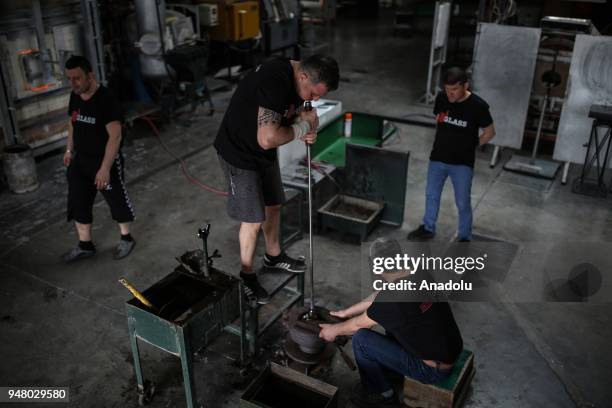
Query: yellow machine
[{"x": 238, "y": 20}]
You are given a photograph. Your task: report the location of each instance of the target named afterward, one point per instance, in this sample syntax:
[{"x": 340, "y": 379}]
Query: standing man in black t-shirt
[
  {"x": 265, "y": 113},
  {"x": 460, "y": 114},
  {"x": 94, "y": 160}
]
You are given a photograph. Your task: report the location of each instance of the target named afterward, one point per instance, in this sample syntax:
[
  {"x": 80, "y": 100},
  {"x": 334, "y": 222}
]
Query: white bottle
[{"x": 348, "y": 124}]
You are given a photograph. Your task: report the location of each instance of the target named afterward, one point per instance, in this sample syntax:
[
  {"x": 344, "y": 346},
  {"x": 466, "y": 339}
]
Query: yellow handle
[{"x": 136, "y": 293}]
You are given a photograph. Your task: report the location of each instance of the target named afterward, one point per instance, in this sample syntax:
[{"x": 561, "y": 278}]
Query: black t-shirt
[
  {"x": 427, "y": 330},
  {"x": 457, "y": 131},
  {"x": 89, "y": 119},
  {"x": 270, "y": 86}
]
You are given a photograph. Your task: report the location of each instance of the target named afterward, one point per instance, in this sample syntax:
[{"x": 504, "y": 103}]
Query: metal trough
[
  {"x": 351, "y": 214},
  {"x": 189, "y": 312}
]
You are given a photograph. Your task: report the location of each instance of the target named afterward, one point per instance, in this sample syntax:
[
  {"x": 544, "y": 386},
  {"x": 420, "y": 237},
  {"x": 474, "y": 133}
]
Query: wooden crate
[
  {"x": 449, "y": 393},
  {"x": 282, "y": 387}
]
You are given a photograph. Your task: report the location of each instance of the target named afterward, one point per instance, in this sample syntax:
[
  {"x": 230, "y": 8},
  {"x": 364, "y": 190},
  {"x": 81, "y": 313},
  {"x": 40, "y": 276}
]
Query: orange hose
[{"x": 188, "y": 176}]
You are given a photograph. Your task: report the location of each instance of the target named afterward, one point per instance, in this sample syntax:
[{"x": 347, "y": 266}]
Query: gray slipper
[
  {"x": 123, "y": 249},
  {"x": 77, "y": 253}
]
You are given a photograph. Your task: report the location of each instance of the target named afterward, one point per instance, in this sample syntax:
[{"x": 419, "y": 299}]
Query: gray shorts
[{"x": 250, "y": 191}]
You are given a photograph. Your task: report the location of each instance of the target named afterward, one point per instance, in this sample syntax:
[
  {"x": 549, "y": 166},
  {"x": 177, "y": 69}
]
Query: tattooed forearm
[{"x": 266, "y": 117}]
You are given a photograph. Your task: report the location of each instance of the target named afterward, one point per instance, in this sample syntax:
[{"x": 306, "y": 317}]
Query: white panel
[
  {"x": 504, "y": 65},
  {"x": 590, "y": 83},
  {"x": 441, "y": 32}
]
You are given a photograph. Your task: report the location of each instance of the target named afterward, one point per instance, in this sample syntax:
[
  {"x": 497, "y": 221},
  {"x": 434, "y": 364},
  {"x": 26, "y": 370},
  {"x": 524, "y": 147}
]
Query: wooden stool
[{"x": 448, "y": 393}]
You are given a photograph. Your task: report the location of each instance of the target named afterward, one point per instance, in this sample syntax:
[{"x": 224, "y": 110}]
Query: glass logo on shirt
[
  {"x": 77, "y": 117},
  {"x": 444, "y": 118}
]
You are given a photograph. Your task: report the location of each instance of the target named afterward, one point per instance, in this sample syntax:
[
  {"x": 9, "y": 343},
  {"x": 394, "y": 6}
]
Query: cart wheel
[
  {"x": 246, "y": 368},
  {"x": 145, "y": 396}
]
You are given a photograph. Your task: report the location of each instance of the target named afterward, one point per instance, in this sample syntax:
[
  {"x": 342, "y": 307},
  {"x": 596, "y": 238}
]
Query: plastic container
[{"x": 348, "y": 124}]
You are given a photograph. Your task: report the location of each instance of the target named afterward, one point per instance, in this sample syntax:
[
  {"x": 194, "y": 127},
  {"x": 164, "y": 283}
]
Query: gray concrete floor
[{"x": 65, "y": 325}]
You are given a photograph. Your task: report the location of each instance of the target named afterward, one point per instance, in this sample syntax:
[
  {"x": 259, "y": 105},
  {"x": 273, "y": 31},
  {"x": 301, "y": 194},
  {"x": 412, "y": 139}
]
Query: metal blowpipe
[{"x": 308, "y": 107}]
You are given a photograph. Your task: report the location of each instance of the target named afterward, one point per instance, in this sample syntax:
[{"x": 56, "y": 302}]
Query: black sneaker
[
  {"x": 284, "y": 263},
  {"x": 77, "y": 253},
  {"x": 463, "y": 240},
  {"x": 253, "y": 289},
  {"x": 363, "y": 399},
  {"x": 421, "y": 234}
]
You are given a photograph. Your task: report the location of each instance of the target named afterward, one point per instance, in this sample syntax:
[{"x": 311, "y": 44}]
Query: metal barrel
[{"x": 20, "y": 168}]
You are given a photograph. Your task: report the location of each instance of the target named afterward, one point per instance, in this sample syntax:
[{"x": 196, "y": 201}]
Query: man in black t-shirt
[
  {"x": 460, "y": 114},
  {"x": 421, "y": 341},
  {"x": 94, "y": 160},
  {"x": 264, "y": 113}
]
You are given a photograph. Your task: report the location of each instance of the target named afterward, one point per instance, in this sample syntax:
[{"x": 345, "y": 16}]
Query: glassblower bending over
[{"x": 264, "y": 113}]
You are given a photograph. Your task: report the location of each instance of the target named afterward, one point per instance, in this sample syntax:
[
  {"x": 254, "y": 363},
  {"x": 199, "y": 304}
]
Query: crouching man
[{"x": 421, "y": 341}]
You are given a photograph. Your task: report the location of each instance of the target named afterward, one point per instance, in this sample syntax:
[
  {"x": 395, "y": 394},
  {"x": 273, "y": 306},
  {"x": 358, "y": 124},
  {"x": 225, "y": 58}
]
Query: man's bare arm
[
  {"x": 69, "y": 145},
  {"x": 112, "y": 145},
  {"x": 270, "y": 133},
  {"x": 112, "y": 148},
  {"x": 488, "y": 133},
  {"x": 361, "y": 321},
  {"x": 357, "y": 308},
  {"x": 329, "y": 332},
  {"x": 70, "y": 140}
]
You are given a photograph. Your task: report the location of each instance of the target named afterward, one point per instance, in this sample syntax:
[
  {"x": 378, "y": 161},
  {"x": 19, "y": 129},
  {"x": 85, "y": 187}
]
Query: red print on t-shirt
[
  {"x": 75, "y": 113},
  {"x": 442, "y": 116},
  {"x": 424, "y": 306}
]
